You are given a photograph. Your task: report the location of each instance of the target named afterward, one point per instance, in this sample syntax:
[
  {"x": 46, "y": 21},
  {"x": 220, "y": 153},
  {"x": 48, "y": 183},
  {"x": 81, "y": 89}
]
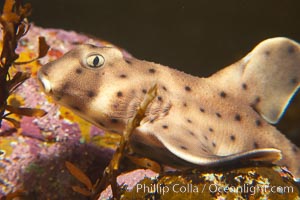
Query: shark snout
[{"x": 44, "y": 81}]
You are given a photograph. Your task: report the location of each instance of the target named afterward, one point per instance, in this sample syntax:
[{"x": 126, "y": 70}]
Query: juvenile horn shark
[{"x": 193, "y": 121}]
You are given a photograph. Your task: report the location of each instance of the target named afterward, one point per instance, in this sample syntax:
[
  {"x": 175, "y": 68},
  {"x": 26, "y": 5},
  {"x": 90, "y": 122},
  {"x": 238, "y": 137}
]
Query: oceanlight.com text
[{"x": 213, "y": 188}]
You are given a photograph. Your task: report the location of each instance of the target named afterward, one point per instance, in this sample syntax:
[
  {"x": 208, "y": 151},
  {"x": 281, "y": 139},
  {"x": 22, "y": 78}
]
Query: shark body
[{"x": 193, "y": 121}]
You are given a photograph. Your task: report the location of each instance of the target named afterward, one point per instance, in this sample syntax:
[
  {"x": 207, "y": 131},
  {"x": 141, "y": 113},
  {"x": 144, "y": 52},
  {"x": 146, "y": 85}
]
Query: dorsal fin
[{"x": 267, "y": 78}]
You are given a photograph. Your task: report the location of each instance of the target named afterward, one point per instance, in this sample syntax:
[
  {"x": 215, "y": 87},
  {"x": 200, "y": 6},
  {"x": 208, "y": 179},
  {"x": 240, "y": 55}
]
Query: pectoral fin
[{"x": 193, "y": 151}]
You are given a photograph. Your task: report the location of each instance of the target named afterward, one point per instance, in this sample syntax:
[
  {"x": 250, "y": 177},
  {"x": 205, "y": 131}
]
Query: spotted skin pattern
[{"x": 193, "y": 121}]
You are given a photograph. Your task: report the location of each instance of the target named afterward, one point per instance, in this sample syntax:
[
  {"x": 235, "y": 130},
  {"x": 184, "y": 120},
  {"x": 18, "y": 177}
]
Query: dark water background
[{"x": 196, "y": 36}]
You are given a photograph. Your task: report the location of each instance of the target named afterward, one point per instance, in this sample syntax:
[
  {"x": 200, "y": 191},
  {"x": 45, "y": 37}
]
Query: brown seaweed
[
  {"x": 14, "y": 26},
  {"x": 111, "y": 171}
]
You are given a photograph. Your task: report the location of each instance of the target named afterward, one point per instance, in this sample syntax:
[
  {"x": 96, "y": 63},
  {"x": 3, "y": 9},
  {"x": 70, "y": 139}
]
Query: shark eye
[{"x": 95, "y": 60}]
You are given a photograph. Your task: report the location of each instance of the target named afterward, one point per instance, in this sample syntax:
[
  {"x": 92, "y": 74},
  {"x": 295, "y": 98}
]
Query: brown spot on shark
[
  {"x": 78, "y": 71},
  {"x": 164, "y": 126},
  {"x": 237, "y": 117},
  {"x": 90, "y": 93},
  {"x": 291, "y": 49},
  {"x": 254, "y": 91},
  {"x": 218, "y": 115},
  {"x": 244, "y": 86},
  {"x": 202, "y": 110},
  {"x": 255, "y": 145},
  {"x": 232, "y": 138},
  {"x": 294, "y": 81},
  {"x": 258, "y": 123},
  {"x": 152, "y": 71},
  {"x": 187, "y": 88},
  {"x": 183, "y": 147},
  {"x": 123, "y": 76},
  {"x": 159, "y": 98},
  {"x": 191, "y": 133},
  {"x": 223, "y": 94},
  {"x": 213, "y": 144},
  {"x": 119, "y": 94}
]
